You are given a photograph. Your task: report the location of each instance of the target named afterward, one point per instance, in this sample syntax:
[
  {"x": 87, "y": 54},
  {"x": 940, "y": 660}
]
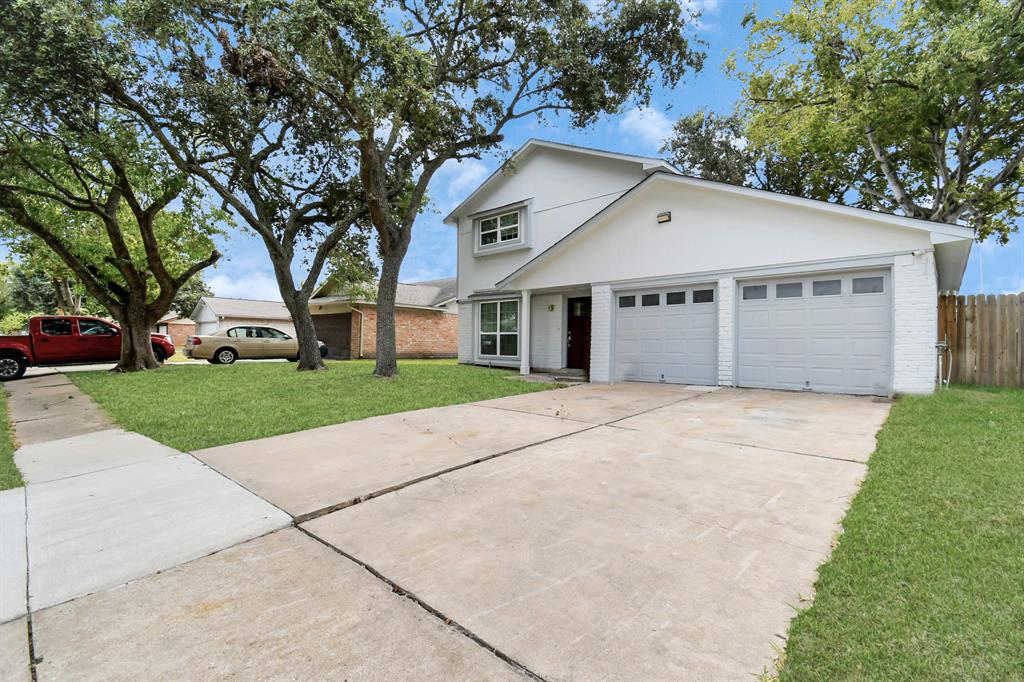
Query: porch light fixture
[{"x": 665, "y": 217}]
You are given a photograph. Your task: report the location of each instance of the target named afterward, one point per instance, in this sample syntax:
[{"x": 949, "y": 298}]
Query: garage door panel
[
  {"x": 825, "y": 343},
  {"x": 834, "y": 316},
  {"x": 672, "y": 343},
  {"x": 789, "y": 318},
  {"x": 788, "y": 346}
]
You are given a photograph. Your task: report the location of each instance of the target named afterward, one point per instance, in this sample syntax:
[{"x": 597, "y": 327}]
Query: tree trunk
[
  {"x": 136, "y": 342},
  {"x": 68, "y": 302},
  {"x": 387, "y": 354},
  {"x": 305, "y": 332}
]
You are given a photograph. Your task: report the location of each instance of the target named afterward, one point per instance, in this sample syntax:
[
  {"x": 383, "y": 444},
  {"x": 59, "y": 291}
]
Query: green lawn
[
  {"x": 192, "y": 407},
  {"x": 927, "y": 581},
  {"x": 10, "y": 477}
]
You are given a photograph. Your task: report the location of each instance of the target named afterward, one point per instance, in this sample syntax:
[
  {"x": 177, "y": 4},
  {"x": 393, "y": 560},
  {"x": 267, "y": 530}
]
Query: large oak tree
[
  {"x": 913, "y": 107},
  {"x": 85, "y": 181},
  {"x": 416, "y": 84}
]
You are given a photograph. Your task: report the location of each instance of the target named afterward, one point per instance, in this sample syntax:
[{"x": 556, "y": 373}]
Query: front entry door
[{"x": 578, "y": 337}]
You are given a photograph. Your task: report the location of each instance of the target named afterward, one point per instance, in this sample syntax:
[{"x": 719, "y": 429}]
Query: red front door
[{"x": 578, "y": 336}]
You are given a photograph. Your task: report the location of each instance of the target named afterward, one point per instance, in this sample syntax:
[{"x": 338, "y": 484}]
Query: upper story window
[{"x": 500, "y": 228}]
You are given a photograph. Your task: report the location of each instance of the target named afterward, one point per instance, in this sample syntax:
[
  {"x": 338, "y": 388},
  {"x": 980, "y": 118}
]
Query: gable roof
[
  {"x": 244, "y": 307},
  {"x": 426, "y": 294},
  {"x": 649, "y": 164},
  {"x": 941, "y": 232}
]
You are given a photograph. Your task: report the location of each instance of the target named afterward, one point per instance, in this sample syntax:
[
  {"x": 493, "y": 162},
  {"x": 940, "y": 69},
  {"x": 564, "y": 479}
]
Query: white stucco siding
[
  {"x": 915, "y": 317},
  {"x": 710, "y": 231},
  {"x": 563, "y": 193},
  {"x": 547, "y": 334}
]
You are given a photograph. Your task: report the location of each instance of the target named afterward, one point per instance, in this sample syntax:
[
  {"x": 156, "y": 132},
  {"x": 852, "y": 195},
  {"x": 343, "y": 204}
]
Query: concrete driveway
[{"x": 590, "y": 533}]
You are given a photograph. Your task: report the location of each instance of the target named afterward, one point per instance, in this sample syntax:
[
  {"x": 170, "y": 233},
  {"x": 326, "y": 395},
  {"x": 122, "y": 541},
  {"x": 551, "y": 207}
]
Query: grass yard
[
  {"x": 199, "y": 406},
  {"x": 927, "y": 581},
  {"x": 10, "y": 477}
]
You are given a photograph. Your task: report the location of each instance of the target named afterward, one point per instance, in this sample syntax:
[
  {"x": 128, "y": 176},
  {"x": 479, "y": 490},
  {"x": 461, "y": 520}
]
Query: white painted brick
[
  {"x": 915, "y": 312},
  {"x": 726, "y": 330},
  {"x": 466, "y": 335},
  {"x": 600, "y": 333}
]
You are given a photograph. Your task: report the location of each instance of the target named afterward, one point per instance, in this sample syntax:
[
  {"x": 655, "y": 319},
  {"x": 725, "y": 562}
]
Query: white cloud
[
  {"x": 254, "y": 285},
  {"x": 647, "y": 125},
  {"x": 464, "y": 177}
]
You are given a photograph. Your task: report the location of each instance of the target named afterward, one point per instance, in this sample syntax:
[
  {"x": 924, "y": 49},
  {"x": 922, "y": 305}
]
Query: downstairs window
[{"x": 499, "y": 329}]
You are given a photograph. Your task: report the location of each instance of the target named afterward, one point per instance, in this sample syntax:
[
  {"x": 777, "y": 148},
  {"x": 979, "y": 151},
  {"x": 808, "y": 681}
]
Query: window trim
[
  {"x": 753, "y": 287},
  {"x": 853, "y": 289},
  {"x": 826, "y": 279},
  {"x": 522, "y": 240},
  {"x": 798, "y": 283},
  {"x": 497, "y": 333},
  {"x": 695, "y": 291}
]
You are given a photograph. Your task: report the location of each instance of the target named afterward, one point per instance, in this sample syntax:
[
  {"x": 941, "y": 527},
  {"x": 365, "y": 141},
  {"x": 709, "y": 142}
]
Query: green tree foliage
[
  {"x": 187, "y": 298},
  {"x": 917, "y": 106},
  {"x": 81, "y": 177},
  {"x": 218, "y": 96},
  {"x": 712, "y": 146},
  {"x": 416, "y": 84}
]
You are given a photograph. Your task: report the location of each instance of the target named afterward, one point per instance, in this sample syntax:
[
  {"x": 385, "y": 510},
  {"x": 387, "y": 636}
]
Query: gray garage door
[
  {"x": 830, "y": 333},
  {"x": 668, "y": 335}
]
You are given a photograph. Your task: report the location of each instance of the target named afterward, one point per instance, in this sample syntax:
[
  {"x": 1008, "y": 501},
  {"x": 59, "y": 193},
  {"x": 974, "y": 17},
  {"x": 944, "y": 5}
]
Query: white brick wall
[
  {"x": 915, "y": 311},
  {"x": 726, "y": 330},
  {"x": 600, "y": 333},
  {"x": 466, "y": 335}
]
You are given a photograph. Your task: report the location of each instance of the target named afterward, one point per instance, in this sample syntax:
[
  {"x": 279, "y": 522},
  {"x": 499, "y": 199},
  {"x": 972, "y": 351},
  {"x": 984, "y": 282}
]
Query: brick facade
[
  {"x": 418, "y": 333},
  {"x": 179, "y": 331}
]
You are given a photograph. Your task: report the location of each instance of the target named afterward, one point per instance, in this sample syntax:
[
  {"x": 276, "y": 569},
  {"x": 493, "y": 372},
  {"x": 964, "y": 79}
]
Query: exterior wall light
[{"x": 665, "y": 217}]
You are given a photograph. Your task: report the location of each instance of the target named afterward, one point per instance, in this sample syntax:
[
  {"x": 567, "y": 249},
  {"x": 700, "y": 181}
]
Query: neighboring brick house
[
  {"x": 426, "y": 321},
  {"x": 177, "y": 327}
]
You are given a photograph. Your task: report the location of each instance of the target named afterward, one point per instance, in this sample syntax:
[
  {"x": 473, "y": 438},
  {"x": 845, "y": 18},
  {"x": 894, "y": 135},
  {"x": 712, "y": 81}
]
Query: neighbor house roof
[
  {"x": 941, "y": 233},
  {"x": 649, "y": 163},
  {"x": 426, "y": 294},
  {"x": 175, "y": 318},
  {"x": 244, "y": 307}
]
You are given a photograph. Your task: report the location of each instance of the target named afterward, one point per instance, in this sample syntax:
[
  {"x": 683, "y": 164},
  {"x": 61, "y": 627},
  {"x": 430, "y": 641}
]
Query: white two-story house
[{"x": 621, "y": 266}]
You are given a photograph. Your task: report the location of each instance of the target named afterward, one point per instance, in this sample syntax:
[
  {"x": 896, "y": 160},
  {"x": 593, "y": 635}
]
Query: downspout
[{"x": 361, "y": 320}]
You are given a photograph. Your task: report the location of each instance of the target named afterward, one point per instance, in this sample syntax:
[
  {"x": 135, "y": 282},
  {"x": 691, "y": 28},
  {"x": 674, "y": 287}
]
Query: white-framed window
[
  {"x": 500, "y": 229},
  {"x": 499, "y": 329}
]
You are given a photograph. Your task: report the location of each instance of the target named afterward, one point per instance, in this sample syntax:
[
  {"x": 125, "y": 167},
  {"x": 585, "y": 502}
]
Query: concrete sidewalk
[{"x": 103, "y": 507}]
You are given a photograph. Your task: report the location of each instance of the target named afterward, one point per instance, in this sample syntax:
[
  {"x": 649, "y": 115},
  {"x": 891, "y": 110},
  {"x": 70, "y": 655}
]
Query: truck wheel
[
  {"x": 12, "y": 367},
  {"x": 159, "y": 354},
  {"x": 226, "y": 356}
]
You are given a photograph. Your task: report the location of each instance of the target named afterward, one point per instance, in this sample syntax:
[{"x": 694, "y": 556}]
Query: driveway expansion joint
[
  {"x": 324, "y": 511},
  {"x": 445, "y": 620}
]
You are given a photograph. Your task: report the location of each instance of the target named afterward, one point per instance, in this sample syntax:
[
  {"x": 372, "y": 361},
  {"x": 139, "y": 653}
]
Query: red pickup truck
[{"x": 67, "y": 340}]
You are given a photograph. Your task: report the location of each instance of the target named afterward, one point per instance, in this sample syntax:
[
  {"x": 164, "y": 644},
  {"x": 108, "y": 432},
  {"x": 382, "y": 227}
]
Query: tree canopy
[
  {"x": 916, "y": 107},
  {"x": 416, "y": 84},
  {"x": 81, "y": 177}
]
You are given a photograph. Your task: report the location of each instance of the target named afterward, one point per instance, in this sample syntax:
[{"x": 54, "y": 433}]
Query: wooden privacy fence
[{"x": 986, "y": 339}]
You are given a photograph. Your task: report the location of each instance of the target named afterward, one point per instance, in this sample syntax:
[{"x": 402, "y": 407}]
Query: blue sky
[
  {"x": 245, "y": 269},
  {"x": 246, "y": 272}
]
